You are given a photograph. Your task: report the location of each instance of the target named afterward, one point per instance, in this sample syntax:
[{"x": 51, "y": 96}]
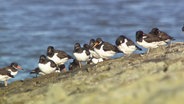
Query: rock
[{"x": 154, "y": 78}]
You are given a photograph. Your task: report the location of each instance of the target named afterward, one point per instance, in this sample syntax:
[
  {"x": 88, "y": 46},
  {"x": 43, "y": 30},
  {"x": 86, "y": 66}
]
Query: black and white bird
[
  {"x": 46, "y": 66},
  {"x": 104, "y": 49},
  {"x": 82, "y": 54},
  {"x": 37, "y": 70},
  {"x": 126, "y": 45},
  {"x": 13, "y": 68},
  {"x": 9, "y": 72},
  {"x": 95, "y": 58},
  {"x": 58, "y": 56},
  {"x": 182, "y": 28},
  {"x": 148, "y": 41},
  {"x": 91, "y": 49},
  {"x": 163, "y": 35}
]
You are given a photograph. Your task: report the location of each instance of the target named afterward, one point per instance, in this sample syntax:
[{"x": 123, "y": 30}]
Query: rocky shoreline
[{"x": 138, "y": 79}]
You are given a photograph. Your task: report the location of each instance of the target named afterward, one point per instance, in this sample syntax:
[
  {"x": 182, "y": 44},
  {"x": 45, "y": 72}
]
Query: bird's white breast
[
  {"x": 13, "y": 73},
  {"x": 94, "y": 54},
  {"x": 148, "y": 45},
  {"x": 46, "y": 68},
  {"x": 126, "y": 49},
  {"x": 81, "y": 56},
  {"x": 57, "y": 60},
  {"x": 104, "y": 54}
]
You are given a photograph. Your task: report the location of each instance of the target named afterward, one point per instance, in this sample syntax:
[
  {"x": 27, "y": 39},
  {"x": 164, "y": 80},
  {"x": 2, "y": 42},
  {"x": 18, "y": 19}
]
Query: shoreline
[{"x": 149, "y": 78}]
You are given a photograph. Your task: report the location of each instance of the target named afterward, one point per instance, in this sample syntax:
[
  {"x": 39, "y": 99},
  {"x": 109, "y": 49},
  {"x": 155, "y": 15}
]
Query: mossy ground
[{"x": 154, "y": 78}]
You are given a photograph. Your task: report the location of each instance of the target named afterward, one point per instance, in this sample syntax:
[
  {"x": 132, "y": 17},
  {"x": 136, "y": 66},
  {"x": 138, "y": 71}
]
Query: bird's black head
[
  {"x": 154, "y": 31},
  {"x": 120, "y": 40},
  {"x": 77, "y": 46},
  {"x": 42, "y": 59},
  {"x": 50, "y": 51},
  {"x": 91, "y": 42},
  {"x": 15, "y": 65},
  {"x": 98, "y": 42},
  {"x": 139, "y": 35},
  {"x": 86, "y": 46}
]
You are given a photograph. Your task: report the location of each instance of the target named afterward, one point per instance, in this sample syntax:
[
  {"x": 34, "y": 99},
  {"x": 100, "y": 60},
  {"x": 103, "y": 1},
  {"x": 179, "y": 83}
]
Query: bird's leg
[
  {"x": 163, "y": 48},
  {"x": 148, "y": 51},
  {"x": 170, "y": 45},
  {"x": 80, "y": 65},
  {"x": 5, "y": 83}
]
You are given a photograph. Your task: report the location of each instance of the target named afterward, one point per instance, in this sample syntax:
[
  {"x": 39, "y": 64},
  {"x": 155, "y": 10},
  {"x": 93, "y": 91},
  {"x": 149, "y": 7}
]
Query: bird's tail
[
  {"x": 138, "y": 48},
  {"x": 70, "y": 57},
  {"x": 35, "y": 71}
]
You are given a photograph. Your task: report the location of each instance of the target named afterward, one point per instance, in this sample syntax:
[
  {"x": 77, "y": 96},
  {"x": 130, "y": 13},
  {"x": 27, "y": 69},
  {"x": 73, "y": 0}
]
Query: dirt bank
[{"x": 155, "y": 78}]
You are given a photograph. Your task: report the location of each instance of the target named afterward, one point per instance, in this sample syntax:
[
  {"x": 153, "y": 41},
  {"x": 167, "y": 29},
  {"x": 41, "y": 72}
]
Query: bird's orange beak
[
  {"x": 96, "y": 43},
  {"x": 19, "y": 67}
]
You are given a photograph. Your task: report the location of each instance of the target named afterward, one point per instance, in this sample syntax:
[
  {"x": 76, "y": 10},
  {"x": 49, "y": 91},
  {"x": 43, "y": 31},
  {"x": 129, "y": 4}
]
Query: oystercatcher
[
  {"x": 126, "y": 45},
  {"x": 9, "y": 72},
  {"x": 91, "y": 49},
  {"x": 147, "y": 40},
  {"x": 58, "y": 56},
  {"x": 46, "y": 66},
  {"x": 81, "y": 54},
  {"x": 37, "y": 70},
  {"x": 13, "y": 68},
  {"x": 95, "y": 58},
  {"x": 163, "y": 35},
  {"x": 104, "y": 49}
]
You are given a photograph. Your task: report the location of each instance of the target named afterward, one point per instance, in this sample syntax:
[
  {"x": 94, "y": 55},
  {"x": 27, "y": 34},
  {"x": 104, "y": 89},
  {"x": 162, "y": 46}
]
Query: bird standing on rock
[
  {"x": 147, "y": 40},
  {"x": 91, "y": 49},
  {"x": 95, "y": 58},
  {"x": 104, "y": 49},
  {"x": 58, "y": 56},
  {"x": 162, "y": 35},
  {"x": 81, "y": 54},
  {"x": 46, "y": 66},
  {"x": 13, "y": 68},
  {"x": 126, "y": 45},
  {"x": 9, "y": 72}
]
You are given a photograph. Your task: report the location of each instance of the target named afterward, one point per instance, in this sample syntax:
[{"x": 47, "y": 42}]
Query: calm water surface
[{"x": 27, "y": 27}]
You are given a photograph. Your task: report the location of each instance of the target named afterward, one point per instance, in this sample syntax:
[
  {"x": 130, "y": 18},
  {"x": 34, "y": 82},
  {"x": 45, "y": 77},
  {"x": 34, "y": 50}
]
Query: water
[{"x": 27, "y": 27}]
